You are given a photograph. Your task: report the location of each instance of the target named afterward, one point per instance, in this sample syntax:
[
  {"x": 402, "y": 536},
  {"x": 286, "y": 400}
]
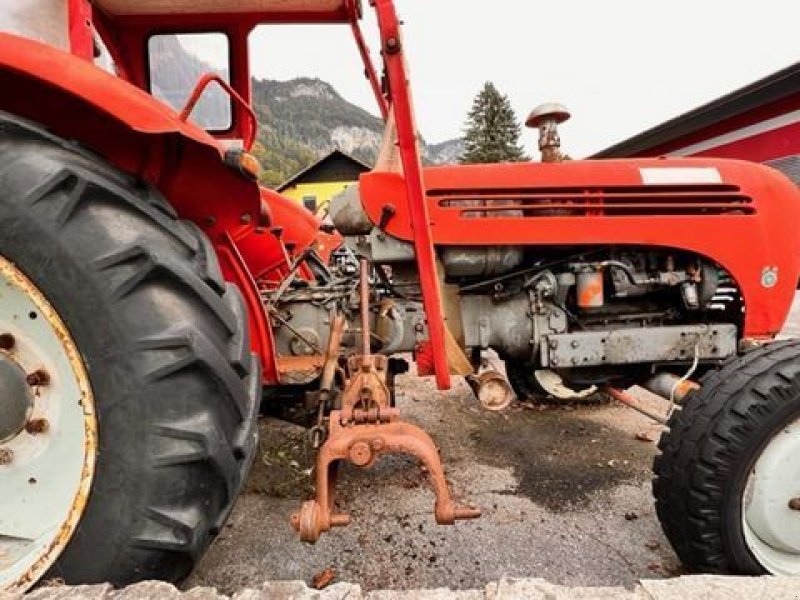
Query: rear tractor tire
[
  {"x": 727, "y": 482},
  {"x": 128, "y": 392}
]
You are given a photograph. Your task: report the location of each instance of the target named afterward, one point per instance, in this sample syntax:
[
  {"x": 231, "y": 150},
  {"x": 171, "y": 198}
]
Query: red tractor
[{"x": 151, "y": 292}]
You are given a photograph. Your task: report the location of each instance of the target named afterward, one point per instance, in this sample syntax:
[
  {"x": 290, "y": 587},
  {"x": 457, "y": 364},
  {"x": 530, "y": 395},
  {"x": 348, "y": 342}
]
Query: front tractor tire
[
  {"x": 727, "y": 482},
  {"x": 126, "y": 458}
]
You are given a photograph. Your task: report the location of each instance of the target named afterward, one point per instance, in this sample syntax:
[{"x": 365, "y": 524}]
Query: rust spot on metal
[
  {"x": 299, "y": 369},
  {"x": 37, "y": 426},
  {"x": 38, "y": 377},
  {"x": 6, "y": 456},
  {"x": 627, "y": 399},
  {"x": 794, "y": 503}
]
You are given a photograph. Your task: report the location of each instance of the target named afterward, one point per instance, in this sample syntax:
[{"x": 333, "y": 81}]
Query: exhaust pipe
[{"x": 492, "y": 390}]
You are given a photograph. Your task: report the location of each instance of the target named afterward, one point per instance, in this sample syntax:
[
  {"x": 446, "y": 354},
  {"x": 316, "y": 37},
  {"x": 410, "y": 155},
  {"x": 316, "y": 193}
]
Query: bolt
[
  {"x": 6, "y": 456},
  {"x": 38, "y": 377},
  {"x": 245, "y": 219},
  {"x": 7, "y": 341},
  {"x": 37, "y": 426},
  {"x": 574, "y": 344},
  {"x": 392, "y": 45},
  {"x": 360, "y": 454},
  {"x": 553, "y": 344},
  {"x": 794, "y": 503}
]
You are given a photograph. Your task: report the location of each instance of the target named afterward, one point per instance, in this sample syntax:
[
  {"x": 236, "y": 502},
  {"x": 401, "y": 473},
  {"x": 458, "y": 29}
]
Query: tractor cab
[{"x": 155, "y": 45}]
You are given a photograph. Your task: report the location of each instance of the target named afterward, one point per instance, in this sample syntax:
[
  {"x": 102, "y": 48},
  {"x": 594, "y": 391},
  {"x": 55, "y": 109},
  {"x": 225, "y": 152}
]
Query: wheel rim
[
  {"x": 47, "y": 464},
  {"x": 771, "y": 504}
]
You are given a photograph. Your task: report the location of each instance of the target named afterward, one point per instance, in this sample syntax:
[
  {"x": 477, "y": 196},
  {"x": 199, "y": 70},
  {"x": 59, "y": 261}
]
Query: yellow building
[{"x": 314, "y": 186}]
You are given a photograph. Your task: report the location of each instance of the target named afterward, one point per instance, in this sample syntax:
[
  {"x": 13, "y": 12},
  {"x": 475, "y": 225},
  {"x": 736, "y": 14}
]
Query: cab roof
[{"x": 266, "y": 10}]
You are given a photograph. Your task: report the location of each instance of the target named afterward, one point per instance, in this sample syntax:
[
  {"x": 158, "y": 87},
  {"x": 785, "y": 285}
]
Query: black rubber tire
[
  {"x": 710, "y": 448},
  {"x": 165, "y": 343}
]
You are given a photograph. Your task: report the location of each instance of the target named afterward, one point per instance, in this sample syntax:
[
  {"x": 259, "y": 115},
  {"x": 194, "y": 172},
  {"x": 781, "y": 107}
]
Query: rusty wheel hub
[{"x": 16, "y": 398}]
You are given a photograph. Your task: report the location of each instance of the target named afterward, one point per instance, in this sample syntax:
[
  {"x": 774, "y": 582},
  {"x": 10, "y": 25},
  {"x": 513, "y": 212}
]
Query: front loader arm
[{"x": 400, "y": 102}]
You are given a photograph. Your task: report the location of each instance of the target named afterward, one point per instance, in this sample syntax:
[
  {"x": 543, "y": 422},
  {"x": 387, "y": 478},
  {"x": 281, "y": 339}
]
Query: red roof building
[{"x": 760, "y": 122}]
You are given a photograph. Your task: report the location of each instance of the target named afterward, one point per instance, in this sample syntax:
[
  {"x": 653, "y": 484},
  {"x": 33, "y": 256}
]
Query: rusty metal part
[
  {"x": 298, "y": 370},
  {"x": 318, "y": 432},
  {"x": 316, "y": 435},
  {"x": 366, "y": 427},
  {"x": 630, "y": 401},
  {"x": 7, "y": 341},
  {"x": 364, "y": 293},
  {"x": 590, "y": 288},
  {"x": 493, "y": 391},
  {"x": 668, "y": 385},
  {"x": 794, "y": 503},
  {"x": 367, "y": 398},
  {"x": 6, "y": 456},
  {"x": 37, "y": 426},
  {"x": 38, "y": 377},
  {"x": 362, "y": 445},
  {"x": 332, "y": 352}
]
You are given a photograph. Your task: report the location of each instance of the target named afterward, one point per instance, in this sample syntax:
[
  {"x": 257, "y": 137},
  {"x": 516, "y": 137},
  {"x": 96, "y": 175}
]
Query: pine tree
[{"x": 491, "y": 133}]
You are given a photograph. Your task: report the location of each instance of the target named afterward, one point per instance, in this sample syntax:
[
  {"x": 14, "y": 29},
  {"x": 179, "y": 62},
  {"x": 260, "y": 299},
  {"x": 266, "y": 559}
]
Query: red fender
[{"x": 142, "y": 136}]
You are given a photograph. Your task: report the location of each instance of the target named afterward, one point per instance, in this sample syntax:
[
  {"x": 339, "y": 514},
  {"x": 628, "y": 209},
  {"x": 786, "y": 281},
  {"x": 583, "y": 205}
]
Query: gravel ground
[{"x": 565, "y": 494}]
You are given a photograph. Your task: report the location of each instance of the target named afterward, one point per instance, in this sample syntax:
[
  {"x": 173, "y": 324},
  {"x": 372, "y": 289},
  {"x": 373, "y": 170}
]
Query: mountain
[
  {"x": 300, "y": 120},
  {"x": 444, "y": 153},
  {"x": 303, "y": 119}
]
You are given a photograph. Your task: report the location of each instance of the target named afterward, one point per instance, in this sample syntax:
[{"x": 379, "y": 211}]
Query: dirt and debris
[{"x": 554, "y": 484}]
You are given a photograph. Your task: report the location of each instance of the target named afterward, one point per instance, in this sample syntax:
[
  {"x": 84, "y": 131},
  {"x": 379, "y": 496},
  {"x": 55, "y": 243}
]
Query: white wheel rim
[
  {"x": 771, "y": 526},
  {"x": 48, "y": 474}
]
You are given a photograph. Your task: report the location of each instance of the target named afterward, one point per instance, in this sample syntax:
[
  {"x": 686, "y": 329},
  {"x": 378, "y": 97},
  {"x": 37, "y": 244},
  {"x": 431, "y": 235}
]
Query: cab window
[{"x": 177, "y": 61}]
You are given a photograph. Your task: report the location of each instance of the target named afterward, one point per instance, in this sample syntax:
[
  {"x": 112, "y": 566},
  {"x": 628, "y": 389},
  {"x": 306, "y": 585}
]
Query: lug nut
[
  {"x": 38, "y": 377},
  {"x": 794, "y": 503},
  {"x": 6, "y": 456},
  {"x": 37, "y": 426},
  {"x": 7, "y": 341}
]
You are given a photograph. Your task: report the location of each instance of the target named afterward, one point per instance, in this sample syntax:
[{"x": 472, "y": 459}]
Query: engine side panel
[{"x": 742, "y": 215}]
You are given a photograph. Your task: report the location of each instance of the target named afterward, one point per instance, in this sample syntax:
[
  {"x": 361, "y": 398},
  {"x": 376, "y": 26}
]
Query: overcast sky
[{"x": 620, "y": 66}]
